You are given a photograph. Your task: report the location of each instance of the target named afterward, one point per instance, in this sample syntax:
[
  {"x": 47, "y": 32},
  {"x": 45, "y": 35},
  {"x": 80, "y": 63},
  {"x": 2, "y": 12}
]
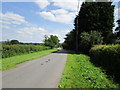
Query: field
[
  {"x": 79, "y": 72},
  {"x": 10, "y": 62}
]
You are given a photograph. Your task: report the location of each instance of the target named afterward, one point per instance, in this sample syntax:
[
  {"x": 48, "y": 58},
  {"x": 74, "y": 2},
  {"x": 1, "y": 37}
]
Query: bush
[
  {"x": 107, "y": 56},
  {"x": 13, "y": 50},
  {"x": 90, "y": 39},
  {"x": 117, "y": 41},
  {"x": 14, "y": 42}
]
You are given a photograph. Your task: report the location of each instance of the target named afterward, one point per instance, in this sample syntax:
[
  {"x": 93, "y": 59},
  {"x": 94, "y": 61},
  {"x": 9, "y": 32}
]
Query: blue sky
[{"x": 30, "y": 21}]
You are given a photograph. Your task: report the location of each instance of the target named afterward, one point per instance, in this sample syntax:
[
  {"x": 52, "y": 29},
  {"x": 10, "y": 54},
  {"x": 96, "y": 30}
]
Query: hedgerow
[
  {"x": 13, "y": 50},
  {"x": 107, "y": 56}
]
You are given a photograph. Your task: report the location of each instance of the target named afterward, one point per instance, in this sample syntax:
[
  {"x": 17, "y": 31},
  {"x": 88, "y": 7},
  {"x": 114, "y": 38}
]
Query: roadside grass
[
  {"x": 79, "y": 72},
  {"x": 11, "y": 62}
]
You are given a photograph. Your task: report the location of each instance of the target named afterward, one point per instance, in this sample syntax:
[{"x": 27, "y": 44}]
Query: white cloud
[
  {"x": 42, "y": 4},
  {"x": 6, "y": 27},
  {"x": 6, "y": 22},
  {"x": 71, "y": 5},
  {"x": 67, "y": 4},
  {"x": 59, "y": 15},
  {"x": 13, "y": 18},
  {"x": 35, "y": 34},
  {"x": 59, "y": 11},
  {"x": 9, "y": 20},
  {"x": 30, "y": 30},
  {"x": 48, "y": 15},
  {"x": 26, "y": 34},
  {"x": 66, "y": 13}
]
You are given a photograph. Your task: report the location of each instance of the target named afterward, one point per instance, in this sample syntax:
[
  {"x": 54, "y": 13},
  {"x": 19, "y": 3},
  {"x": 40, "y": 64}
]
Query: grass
[
  {"x": 11, "y": 62},
  {"x": 79, "y": 72}
]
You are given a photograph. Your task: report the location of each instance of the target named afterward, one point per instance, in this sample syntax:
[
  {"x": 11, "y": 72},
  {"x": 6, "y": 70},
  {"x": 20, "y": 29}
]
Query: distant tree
[
  {"x": 6, "y": 42},
  {"x": 14, "y": 42},
  {"x": 51, "y": 41}
]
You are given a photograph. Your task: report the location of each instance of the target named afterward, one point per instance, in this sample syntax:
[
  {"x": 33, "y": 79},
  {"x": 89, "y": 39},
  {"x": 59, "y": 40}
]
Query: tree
[
  {"x": 51, "y": 41},
  {"x": 6, "y": 42},
  {"x": 14, "y": 42},
  {"x": 98, "y": 16},
  {"x": 70, "y": 39},
  {"x": 93, "y": 16},
  {"x": 88, "y": 39}
]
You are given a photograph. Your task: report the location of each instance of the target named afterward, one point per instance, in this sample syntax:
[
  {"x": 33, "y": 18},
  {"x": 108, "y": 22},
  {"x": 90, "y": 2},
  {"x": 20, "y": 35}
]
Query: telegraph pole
[
  {"x": 77, "y": 27},
  {"x": 76, "y": 33}
]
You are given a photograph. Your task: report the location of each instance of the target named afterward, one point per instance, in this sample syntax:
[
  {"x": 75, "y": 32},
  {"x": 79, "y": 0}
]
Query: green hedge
[
  {"x": 13, "y": 50},
  {"x": 107, "y": 56}
]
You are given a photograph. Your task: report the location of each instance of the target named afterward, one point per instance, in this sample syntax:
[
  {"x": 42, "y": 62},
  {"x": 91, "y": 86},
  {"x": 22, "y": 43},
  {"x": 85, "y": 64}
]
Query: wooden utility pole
[
  {"x": 77, "y": 33},
  {"x": 77, "y": 27}
]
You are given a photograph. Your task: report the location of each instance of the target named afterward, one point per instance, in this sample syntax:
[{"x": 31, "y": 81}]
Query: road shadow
[{"x": 64, "y": 51}]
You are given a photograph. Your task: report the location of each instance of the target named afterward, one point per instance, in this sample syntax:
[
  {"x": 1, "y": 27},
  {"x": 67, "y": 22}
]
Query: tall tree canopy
[
  {"x": 93, "y": 16},
  {"x": 98, "y": 16},
  {"x": 51, "y": 41}
]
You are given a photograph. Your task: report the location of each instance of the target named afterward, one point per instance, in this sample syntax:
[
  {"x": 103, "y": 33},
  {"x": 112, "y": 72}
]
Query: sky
[{"x": 30, "y": 21}]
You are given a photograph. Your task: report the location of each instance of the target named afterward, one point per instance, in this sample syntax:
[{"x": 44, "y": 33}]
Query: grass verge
[
  {"x": 10, "y": 62},
  {"x": 79, "y": 72}
]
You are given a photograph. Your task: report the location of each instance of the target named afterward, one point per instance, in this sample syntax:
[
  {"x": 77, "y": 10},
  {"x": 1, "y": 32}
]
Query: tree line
[
  {"x": 52, "y": 41},
  {"x": 93, "y": 25},
  {"x": 17, "y": 42}
]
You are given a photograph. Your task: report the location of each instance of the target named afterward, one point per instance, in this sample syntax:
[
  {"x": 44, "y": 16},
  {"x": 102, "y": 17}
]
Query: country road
[{"x": 39, "y": 73}]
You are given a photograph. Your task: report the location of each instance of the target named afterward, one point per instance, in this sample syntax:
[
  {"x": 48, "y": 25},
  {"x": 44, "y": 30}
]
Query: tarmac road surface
[{"x": 39, "y": 73}]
